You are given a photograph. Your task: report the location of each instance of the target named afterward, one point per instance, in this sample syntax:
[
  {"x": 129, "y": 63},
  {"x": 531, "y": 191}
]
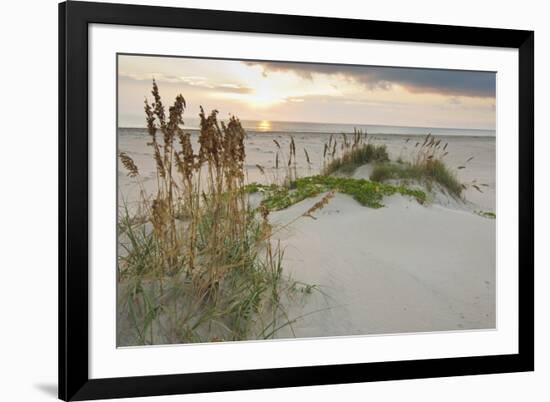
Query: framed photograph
[{"x": 258, "y": 201}]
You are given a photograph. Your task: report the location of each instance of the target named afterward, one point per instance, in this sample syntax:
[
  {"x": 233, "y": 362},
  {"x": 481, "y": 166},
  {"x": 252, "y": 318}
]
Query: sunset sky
[{"x": 324, "y": 93}]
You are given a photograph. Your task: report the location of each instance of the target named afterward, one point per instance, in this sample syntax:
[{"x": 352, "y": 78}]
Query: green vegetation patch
[
  {"x": 367, "y": 193},
  {"x": 427, "y": 172},
  {"x": 486, "y": 214}
]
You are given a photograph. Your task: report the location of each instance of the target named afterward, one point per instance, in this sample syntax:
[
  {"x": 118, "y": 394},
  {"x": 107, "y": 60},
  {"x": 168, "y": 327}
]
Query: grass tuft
[
  {"x": 427, "y": 166},
  {"x": 198, "y": 263},
  {"x": 355, "y": 156},
  {"x": 428, "y": 173}
]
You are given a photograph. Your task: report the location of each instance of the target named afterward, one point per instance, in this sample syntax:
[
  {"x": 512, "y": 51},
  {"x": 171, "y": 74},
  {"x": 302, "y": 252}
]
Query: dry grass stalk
[
  {"x": 319, "y": 205},
  {"x": 129, "y": 164},
  {"x": 307, "y": 157}
]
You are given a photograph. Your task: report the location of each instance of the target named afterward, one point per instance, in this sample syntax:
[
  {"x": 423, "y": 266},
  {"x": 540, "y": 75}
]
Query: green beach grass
[
  {"x": 428, "y": 173},
  {"x": 367, "y": 193}
]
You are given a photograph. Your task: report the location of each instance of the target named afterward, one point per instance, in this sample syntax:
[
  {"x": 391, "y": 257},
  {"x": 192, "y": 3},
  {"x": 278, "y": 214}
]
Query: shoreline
[{"x": 196, "y": 130}]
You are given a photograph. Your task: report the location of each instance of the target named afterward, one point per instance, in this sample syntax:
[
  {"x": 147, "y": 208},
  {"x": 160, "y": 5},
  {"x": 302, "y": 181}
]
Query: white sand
[{"x": 402, "y": 268}]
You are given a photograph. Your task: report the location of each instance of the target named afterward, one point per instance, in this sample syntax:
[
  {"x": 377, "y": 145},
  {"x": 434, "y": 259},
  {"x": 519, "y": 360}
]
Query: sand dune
[{"x": 402, "y": 268}]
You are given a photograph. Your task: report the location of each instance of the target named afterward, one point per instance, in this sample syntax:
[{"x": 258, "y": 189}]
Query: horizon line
[{"x": 344, "y": 124}]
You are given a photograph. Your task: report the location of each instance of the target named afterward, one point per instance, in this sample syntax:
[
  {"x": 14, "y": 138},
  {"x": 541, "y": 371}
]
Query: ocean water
[
  {"x": 267, "y": 126},
  {"x": 261, "y": 150}
]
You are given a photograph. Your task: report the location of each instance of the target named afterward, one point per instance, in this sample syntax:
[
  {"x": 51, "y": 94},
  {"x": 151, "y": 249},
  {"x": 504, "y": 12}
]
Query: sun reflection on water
[{"x": 264, "y": 125}]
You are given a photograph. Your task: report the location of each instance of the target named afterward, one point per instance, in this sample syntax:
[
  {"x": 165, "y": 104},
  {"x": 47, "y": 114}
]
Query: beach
[
  {"x": 402, "y": 268},
  {"x": 261, "y": 150},
  {"x": 405, "y": 267}
]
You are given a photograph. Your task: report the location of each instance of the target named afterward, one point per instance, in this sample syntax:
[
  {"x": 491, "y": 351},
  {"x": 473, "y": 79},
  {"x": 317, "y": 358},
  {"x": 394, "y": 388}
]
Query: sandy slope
[{"x": 402, "y": 268}]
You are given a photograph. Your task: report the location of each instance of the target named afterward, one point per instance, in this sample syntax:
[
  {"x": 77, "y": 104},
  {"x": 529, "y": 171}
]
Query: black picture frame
[{"x": 74, "y": 18}]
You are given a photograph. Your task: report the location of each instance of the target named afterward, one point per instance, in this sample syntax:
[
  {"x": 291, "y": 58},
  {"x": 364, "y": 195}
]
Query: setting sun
[{"x": 264, "y": 95}]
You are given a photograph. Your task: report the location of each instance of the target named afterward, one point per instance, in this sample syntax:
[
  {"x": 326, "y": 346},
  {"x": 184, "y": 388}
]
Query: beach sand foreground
[{"x": 402, "y": 268}]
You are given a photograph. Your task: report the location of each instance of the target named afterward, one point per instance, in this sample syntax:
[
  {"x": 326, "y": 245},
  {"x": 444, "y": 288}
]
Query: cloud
[
  {"x": 454, "y": 101},
  {"x": 335, "y": 99},
  {"x": 416, "y": 80},
  {"x": 186, "y": 81}
]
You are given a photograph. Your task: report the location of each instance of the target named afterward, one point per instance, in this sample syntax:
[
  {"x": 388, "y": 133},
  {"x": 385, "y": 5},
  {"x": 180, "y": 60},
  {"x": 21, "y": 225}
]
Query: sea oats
[
  {"x": 129, "y": 164},
  {"x": 193, "y": 255}
]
